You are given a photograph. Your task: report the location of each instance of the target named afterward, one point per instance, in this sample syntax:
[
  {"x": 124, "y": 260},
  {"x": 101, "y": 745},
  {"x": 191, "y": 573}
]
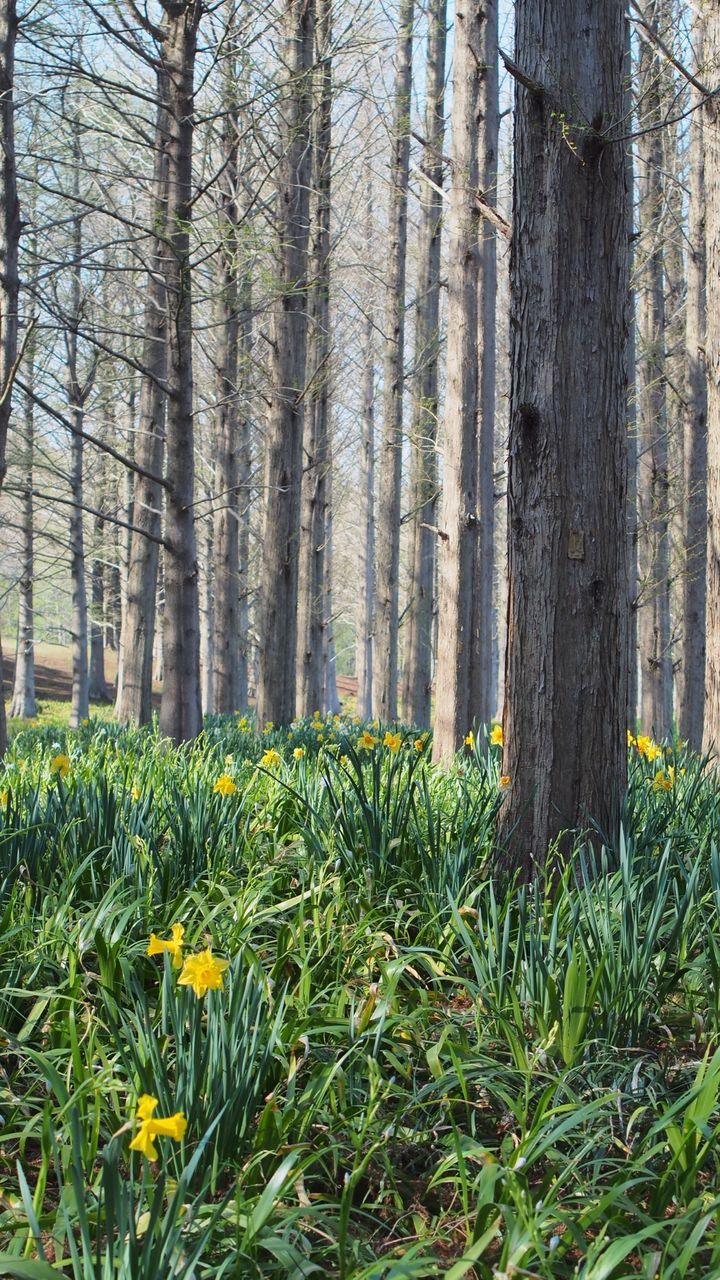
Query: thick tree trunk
[
  {"x": 24, "y": 702},
  {"x": 417, "y": 673},
  {"x": 366, "y": 515},
  {"x": 134, "y": 686},
  {"x": 180, "y": 706},
  {"x": 244, "y": 474},
  {"x": 711, "y": 138},
  {"x": 566, "y": 674},
  {"x": 483, "y": 665},
  {"x": 691, "y": 675},
  {"x": 9, "y": 241},
  {"x": 313, "y": 498},
  {"x": 387, "y": 532},
  {"x": 283, "y": 459},
  {"x": 458, "y": 519},
  {"x": 653, "y": 480}
]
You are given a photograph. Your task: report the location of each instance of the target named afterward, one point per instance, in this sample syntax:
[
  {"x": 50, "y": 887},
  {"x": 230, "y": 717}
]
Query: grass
[{"x": 408, "y": 1069}]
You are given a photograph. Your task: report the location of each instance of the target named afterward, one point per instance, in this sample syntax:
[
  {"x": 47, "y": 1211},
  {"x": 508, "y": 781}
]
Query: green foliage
[{"x": 408, "y": 1069}]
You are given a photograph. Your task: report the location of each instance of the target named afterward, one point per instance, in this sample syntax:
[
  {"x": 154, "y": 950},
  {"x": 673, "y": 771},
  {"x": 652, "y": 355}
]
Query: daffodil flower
[
  {"x": 367, "y": 741},
  {"x": 392, "y": 741},
  {"x": 271, "y": 759},
  {"x": 496, "y": 735},
  {"x": 162, "y": 1127},
  {"x": 60, "y": 764},
  {"x": 173, "y": 945},
  {"x": 203, "y": 972},
  {"x": 225, "y": 785}
]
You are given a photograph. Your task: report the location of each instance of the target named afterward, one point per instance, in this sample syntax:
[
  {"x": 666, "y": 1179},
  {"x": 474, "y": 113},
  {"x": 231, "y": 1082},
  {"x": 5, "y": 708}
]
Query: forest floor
[{"x": 268, "y": 1011}]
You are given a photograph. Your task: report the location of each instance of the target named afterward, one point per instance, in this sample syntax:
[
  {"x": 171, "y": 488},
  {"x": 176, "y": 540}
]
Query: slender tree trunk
[
  {"x": 76, "y": 395},
  {"x": 366, "y": 516},
  {"x": 458, "y": 519},
  {"x": 9, "y": 241},
  {"x": 633, "y": 450},
  {"x": 208, "y": 625},
  {"x": 283, "y": 459},
  {"x": 385, "y": 644},
  {"x": 158, "y": 649},
  {"x": 691, "y": 676},
  {"x": 134, "y": 686},
  {"x": 653, "y": 480},
  {"x": 483, "y": 679},
  {"x": 98, "y": 690},
  {"x": 711, "y": 139},
  {"x": 24, "y": 702},
  {"x": 313, "y": 497},
  {"x": 180, "y": 706},
  {"x": 226, "y": 673},
  {"x": 244, "y": 474},
  {"x": 417, "y": 673},
  {"x": 566, "y": 673},
  {"x": 331, "y": 698}
]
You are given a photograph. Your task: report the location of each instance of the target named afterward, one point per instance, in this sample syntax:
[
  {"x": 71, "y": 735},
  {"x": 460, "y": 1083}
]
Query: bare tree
[
  {"x": 566, "y": 676},
  {"x": 387, "y": 530},
  {"x": 711, "y": 138},
  {"x": 366, "y": 519}
]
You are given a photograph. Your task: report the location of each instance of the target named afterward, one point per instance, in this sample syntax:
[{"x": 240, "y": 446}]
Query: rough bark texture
[
  {"x": 283, "y": 459},
  {"x": 691, "y": 674},
  {"x": 134, "y": 687},
  {"x": 387, "y": 530},
  {"x": 180, "y": 706},
  {"x": 458, "y": 519},
  {"x": 417, "y": 673},
  {"x": 316, "y": 453},
  {"x": 633, "y": 451},
  {"x": 366, "y": 514},
  {"x": 653, "y": 480},
  {"x": 24, "y": 702},
  {"x": 207, "y": 616},
  {"x": 711, "y": 131},
  {"x": 9, "y": 241},
  {"x": 76, "y": 396},
  {"x": 483, "y": 664},
  {"x": 566, "y": 670},
  {"x": 98, "y": 689}
]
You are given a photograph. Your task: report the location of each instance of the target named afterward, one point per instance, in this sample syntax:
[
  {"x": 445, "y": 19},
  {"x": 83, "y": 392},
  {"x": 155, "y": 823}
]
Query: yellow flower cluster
[
  {"x": 645, "y": 747},
  {"x": 298, "y": 753},
  {"x": 150, "y": 1127},
  {"x": 271, "y": 759},
  {"x": 203, "y": 972},
  {"x": 225, "y": 785},
  {"x": 60, "y": 764}
]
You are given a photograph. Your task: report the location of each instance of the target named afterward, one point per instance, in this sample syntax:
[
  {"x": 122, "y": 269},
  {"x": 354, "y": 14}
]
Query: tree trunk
[
  {"x": 691, "y": 676},
  {"x": 483, "y": 666},
  {"x": 76, "y": 395},
  {"x": 180, "y": 706},
  {"x": 313, "y": 497},
  {"x": 134, "y": 685},
  {"x": 98, "y": 690},
  {"x": 208, "y": 624},
  {"x": 226, "y": 673},
  {"x": 385, "y": 643},
  {"x": 566, "y": 674},
  {"x": 711, "y": 139},
  {"x": 24, "y": 702},
  {"x": 458, "y": 519},
  {"x": 331, "y": 698},
  {"x": 653, "y": 482},
  {"x": 633, "y": 450},
  {"x": 9, "y": 241},
  {"x": 283, "y": 459},
  {"x": 417, "y": 673},
  {"x": 366, "y": 516}
]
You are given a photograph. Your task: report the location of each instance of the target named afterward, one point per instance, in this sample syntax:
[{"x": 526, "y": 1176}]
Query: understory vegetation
[{"x": 281, "y": 964}]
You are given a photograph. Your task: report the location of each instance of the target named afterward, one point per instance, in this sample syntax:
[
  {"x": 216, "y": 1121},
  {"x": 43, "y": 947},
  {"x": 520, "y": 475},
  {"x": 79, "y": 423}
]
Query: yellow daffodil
[
  {"x": 225, "y": 785},
  {"x": 4, "y": 797},
  {"x": 60, "y": 764},
  {"x": 173, "y": 945},
  {"x": 298, "y": 753},
  {"x": 271, "y": 759},
  {"x": 161, "y": 1127},
  {"x": 367, "y": 741},
  {"x": 470, "y": 739},
  {"x": 496, "y": 735},
  {"x": 268, "y": 727},
  {"x": 203, "y": 972},
  {"x": 662, "y": 781},
  {"x": 136, "y": 792},
  {"x": 85, "y": 722},
  {"x": 630, "y": 739},
  {"x": 419, "y": 744},
  {"x": 344, "y": 760},
  {"x": 393, "y": 741},
  {"x": 243, "y": 724},
  {"x": 504, "y": 779},
  {"x": 647, "y": 748}
]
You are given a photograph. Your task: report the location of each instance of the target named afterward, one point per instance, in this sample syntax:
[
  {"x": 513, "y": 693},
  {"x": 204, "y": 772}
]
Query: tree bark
[
  {"x": 633, "y": 449},
  {"x": 483, "y": 664},
  {"x": 417, "y": 672},
  {"x": 135, "y": 664},
  {"x": 711, "y": 139},
  {"x": 180, "y": 706},
  {"x": 653, "y": 478},
  {"x": 366, "y": 517},
  {"x": 9, "y": 243},
  {"x": 691, "y": 675},
  {"x": 566, "y": 672},
  {"x": 24, "y": 702},
  {"x": 208, "y": 623},
  {"x": 98, "y": 690},
  {"x": 458, "y": 519},
  {"x": 283, "y": 459},
  {"x": 316, "y": 461},
  {"x": 76, "y": 396},
  {"x": 387, "y": 532}
]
